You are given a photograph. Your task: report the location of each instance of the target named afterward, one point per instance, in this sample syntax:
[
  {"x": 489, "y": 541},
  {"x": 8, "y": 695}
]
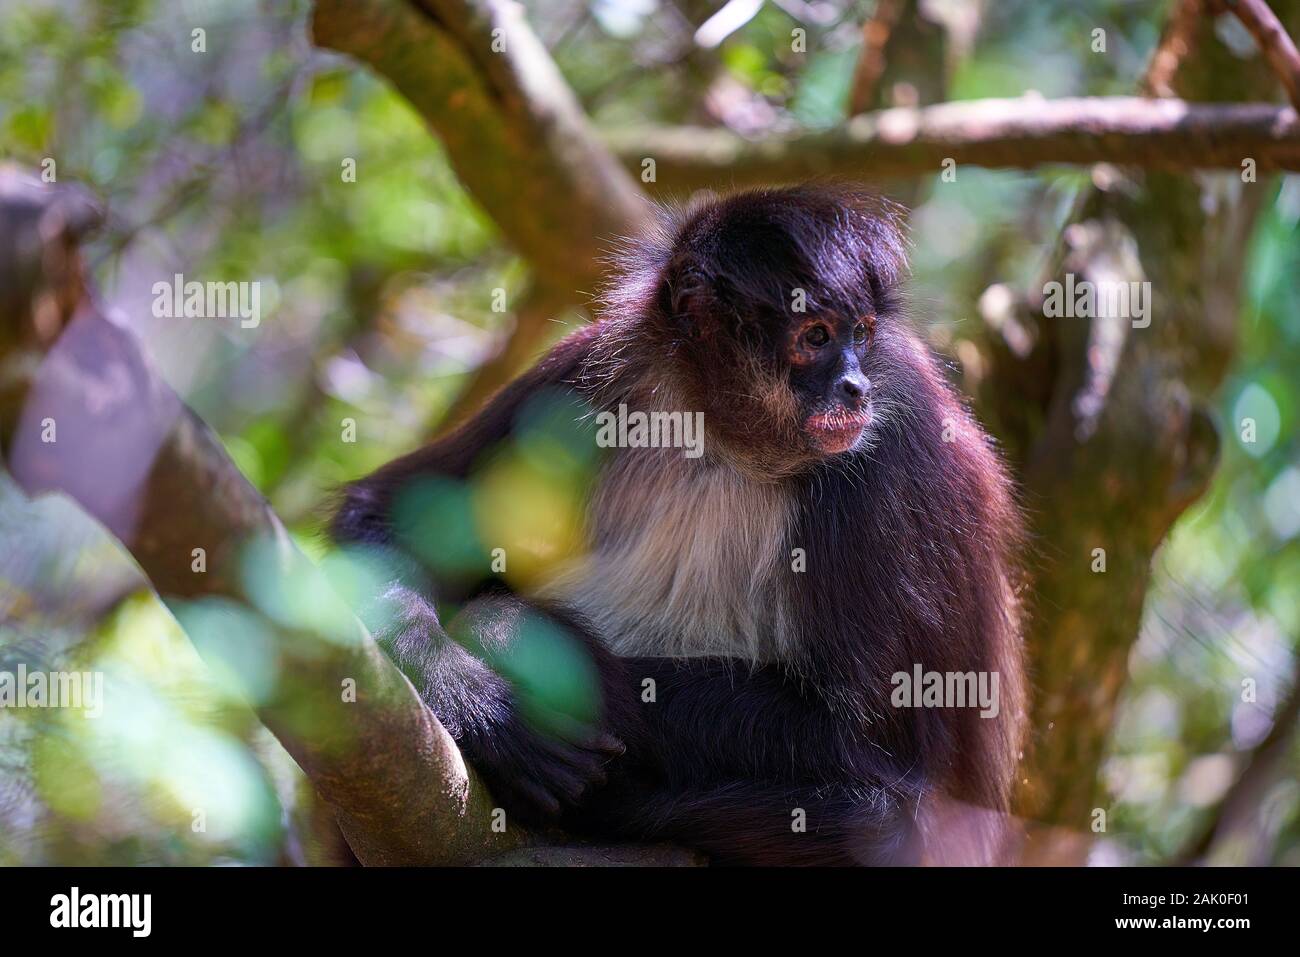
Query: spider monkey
[{"x": 743, "y": 615}]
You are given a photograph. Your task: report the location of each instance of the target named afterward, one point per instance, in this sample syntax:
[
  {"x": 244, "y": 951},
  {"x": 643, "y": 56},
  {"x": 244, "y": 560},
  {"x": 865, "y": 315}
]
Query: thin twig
[
  {"x": 1274, "y": 42},
  {"x": 1258, "y": 774},
  {"x": 871, "y": 61},
  {"x": 1176, "y": 45}
]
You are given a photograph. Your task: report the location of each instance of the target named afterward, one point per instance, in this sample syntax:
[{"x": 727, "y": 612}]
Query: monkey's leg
[
  {"x": 709, "y": 720},
  {"x": 748, "y": 764},
  {"x": 538, "y": 752},
  {"x": 745, "y": 823}
]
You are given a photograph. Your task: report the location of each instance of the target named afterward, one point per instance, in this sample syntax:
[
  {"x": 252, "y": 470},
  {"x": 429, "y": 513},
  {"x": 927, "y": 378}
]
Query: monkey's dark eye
[
  {"x": 860, "y": 333},
  {"x": 817, "y": 336}
]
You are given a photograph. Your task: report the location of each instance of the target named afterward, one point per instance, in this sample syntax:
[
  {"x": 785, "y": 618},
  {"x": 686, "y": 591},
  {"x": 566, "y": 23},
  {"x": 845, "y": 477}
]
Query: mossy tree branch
[
  {"x": 132, "y": 455},
  {"x": 515, "y": 135}
]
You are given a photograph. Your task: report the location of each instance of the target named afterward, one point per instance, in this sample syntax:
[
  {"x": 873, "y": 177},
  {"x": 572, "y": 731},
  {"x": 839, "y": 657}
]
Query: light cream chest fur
[{"x": 687, "y": 559}]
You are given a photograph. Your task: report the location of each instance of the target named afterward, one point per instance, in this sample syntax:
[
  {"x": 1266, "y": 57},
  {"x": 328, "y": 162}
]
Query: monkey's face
[
  {"x": 766, "y": 304},
  {"x": 827, "y": 354},
  {"x": 783, "y": 392}
]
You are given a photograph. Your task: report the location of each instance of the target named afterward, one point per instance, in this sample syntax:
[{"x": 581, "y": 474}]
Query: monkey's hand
[
  {"x": 534, "y": 774},
  {"x": 519, "y": 691}
]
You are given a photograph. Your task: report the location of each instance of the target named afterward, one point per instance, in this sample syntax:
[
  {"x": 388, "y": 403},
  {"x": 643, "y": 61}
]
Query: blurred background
[{"x": 378, "y": 306}]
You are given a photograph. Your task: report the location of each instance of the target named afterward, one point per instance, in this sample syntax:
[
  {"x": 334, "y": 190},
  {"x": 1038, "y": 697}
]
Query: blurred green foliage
[{"x": 378, "y": 295}]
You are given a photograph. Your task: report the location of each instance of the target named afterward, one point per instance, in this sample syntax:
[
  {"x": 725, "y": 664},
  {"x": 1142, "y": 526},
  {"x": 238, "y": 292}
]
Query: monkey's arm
[
  {"x": 365, "y": 515},
  {"x": 534, "y": 756},
  {"x": 539, "y": 744}
]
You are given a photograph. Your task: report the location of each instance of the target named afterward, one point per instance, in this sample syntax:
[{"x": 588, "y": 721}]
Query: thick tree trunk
[{"x": 1126, "y": 443}]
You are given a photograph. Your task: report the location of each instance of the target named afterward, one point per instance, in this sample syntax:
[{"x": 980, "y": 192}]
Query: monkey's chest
[{"x": 685, "y": 561}]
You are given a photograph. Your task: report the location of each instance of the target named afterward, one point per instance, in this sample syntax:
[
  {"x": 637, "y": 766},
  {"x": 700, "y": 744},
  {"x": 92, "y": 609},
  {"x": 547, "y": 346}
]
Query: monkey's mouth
[{"x": 838, "y": 430}]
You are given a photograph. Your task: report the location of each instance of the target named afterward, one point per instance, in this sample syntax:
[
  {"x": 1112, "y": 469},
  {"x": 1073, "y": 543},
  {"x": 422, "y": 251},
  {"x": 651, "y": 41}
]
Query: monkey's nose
[{"x": 852, "y": 387}]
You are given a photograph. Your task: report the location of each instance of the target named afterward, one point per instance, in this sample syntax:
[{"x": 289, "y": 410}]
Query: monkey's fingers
[
  {"x": 583, "y": 735},
  {"x": 541, "y": 801}
]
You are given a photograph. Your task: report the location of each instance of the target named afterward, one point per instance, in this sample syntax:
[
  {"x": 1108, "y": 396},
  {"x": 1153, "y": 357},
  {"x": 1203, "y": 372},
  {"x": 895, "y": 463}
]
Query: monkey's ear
[{"x": 686, "y": 295}]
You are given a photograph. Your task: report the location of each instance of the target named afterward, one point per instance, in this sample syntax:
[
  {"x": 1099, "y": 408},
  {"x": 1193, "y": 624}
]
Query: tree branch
[
  {"x": 514, "y": 133},
  {"x": 1018, "y": 133},
  {"x": 904, "y": 60},
  {"x": 478, "y": 75},
  {"x": 1125, "y": 430},
  {"x": 537, "y": 317},
  {"x": 129, "y": 452},
  {"x": 1177, "y": 42},
  {"x": 1274, "y": 42},
  {"x": 876, "y": 31},
  {"x": 1259, "y": 772}
]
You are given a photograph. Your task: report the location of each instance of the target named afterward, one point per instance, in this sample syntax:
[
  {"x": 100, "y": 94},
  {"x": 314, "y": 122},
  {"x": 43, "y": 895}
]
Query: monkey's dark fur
[{"x": 829, "y": 430}]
